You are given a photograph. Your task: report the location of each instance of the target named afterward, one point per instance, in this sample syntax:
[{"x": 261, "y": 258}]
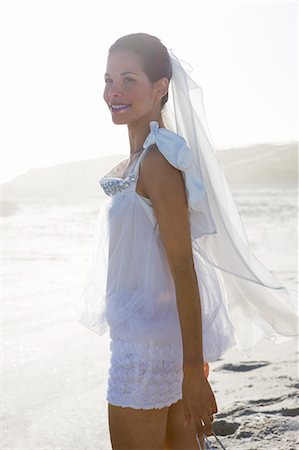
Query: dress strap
[{"x": 136, "y": 167}]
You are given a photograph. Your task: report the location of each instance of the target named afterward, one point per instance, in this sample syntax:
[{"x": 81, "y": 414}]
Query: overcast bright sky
[{"x": 53, "y": 58}]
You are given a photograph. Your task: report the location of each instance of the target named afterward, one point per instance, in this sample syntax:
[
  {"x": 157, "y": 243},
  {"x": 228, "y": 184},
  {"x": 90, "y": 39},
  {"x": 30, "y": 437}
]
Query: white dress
[{"x": 130, "y": 289}]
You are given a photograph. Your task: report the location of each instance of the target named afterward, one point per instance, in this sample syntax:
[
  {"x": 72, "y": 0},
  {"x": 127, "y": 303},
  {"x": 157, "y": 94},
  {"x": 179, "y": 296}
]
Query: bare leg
[
  {"x": 137, "y": 429},
  {"x": 179, "y": 437}
]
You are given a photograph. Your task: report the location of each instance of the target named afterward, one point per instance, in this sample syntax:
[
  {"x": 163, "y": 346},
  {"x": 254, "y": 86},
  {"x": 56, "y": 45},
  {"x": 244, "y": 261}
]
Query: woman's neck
[{"x": 138, "y": 132}]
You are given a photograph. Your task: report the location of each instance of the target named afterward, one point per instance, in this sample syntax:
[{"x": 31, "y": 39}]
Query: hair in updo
[{"x": 155, "y": 59}]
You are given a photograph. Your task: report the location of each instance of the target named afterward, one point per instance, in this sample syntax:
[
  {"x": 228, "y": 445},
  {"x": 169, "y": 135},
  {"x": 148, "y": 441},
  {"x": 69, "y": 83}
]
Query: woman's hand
[{"x": 198, "y": 400}]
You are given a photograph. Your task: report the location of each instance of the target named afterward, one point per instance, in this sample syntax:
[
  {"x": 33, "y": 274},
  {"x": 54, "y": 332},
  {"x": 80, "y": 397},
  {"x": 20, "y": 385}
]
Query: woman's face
[{"x": 129, "y": 93}]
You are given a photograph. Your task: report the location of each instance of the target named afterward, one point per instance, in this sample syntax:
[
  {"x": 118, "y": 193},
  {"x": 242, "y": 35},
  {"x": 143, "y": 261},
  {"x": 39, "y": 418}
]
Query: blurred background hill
[{"x": 259, "y": 166}]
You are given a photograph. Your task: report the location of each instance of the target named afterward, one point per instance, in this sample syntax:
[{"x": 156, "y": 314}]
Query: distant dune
[
  {"x": 77, "y": 180},
  {"x": 260, "y": 166}
]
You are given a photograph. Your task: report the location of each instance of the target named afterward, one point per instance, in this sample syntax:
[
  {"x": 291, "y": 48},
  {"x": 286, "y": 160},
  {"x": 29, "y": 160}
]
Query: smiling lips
[{"x": 118, "y": 108}]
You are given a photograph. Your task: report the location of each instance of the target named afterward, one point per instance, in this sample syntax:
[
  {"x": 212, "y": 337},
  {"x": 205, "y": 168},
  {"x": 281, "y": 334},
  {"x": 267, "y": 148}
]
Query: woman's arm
[{"x": 165, "y": 187}]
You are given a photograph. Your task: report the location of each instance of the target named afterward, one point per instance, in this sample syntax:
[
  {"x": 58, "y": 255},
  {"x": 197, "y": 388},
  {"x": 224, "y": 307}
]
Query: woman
[{"x": 160, "y": 241}]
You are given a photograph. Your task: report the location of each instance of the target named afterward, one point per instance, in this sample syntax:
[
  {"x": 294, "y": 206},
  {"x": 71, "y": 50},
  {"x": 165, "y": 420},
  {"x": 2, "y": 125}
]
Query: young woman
[{"x": 161, "y": 240}]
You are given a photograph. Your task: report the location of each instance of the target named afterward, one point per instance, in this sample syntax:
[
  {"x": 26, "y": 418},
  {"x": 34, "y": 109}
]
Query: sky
[{"x": 244, "y": 55}]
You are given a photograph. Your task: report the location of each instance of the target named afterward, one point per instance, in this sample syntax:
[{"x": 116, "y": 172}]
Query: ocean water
[{"x": 55, "y": 370}]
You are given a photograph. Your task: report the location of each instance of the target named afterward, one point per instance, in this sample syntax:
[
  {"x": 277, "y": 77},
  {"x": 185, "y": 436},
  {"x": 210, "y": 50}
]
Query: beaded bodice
[{"x": 111, "y": 185}]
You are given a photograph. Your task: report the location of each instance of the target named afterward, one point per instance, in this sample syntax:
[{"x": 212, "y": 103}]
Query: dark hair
[{"x": 155, "y": 59}]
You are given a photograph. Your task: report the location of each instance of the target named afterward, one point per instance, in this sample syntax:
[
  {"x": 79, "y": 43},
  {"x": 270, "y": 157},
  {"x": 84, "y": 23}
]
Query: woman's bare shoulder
[
  {"x": 154, "y": 164},
  {"x": 162, "y": 183}
]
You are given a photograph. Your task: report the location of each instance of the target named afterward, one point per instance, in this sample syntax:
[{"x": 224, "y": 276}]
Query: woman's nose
[{"x": 115, "y": 90}]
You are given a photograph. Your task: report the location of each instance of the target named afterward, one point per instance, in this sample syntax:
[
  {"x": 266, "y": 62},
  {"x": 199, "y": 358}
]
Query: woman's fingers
[
  {"x": 203, "y": 422},
  {"x": 200, "y": 429},
  {"x": 207, "y": 425},
  {"x": 214, "y": 404},
  {"x": 199, "y": 404}
]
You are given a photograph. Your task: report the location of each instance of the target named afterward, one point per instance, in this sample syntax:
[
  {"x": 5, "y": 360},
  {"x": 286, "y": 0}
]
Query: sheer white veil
[{"x": 256, "y": 298}]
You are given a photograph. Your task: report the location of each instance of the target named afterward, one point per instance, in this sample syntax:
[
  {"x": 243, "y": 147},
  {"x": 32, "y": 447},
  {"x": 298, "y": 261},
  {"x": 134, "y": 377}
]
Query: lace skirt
[{"x": 144, "y": 376}]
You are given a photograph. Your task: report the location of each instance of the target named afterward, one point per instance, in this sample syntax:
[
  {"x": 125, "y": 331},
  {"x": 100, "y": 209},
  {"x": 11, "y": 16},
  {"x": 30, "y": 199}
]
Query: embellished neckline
[{"x": 113, "y": 185}]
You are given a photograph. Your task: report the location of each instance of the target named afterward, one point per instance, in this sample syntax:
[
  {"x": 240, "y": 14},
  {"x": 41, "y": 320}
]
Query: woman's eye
[
  {"x": 128, "y": 80},
  {"x": 108, "y": 80}
]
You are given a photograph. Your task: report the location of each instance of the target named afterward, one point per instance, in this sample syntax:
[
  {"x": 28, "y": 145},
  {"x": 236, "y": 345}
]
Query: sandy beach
[{"x": 54, "y": 371}]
